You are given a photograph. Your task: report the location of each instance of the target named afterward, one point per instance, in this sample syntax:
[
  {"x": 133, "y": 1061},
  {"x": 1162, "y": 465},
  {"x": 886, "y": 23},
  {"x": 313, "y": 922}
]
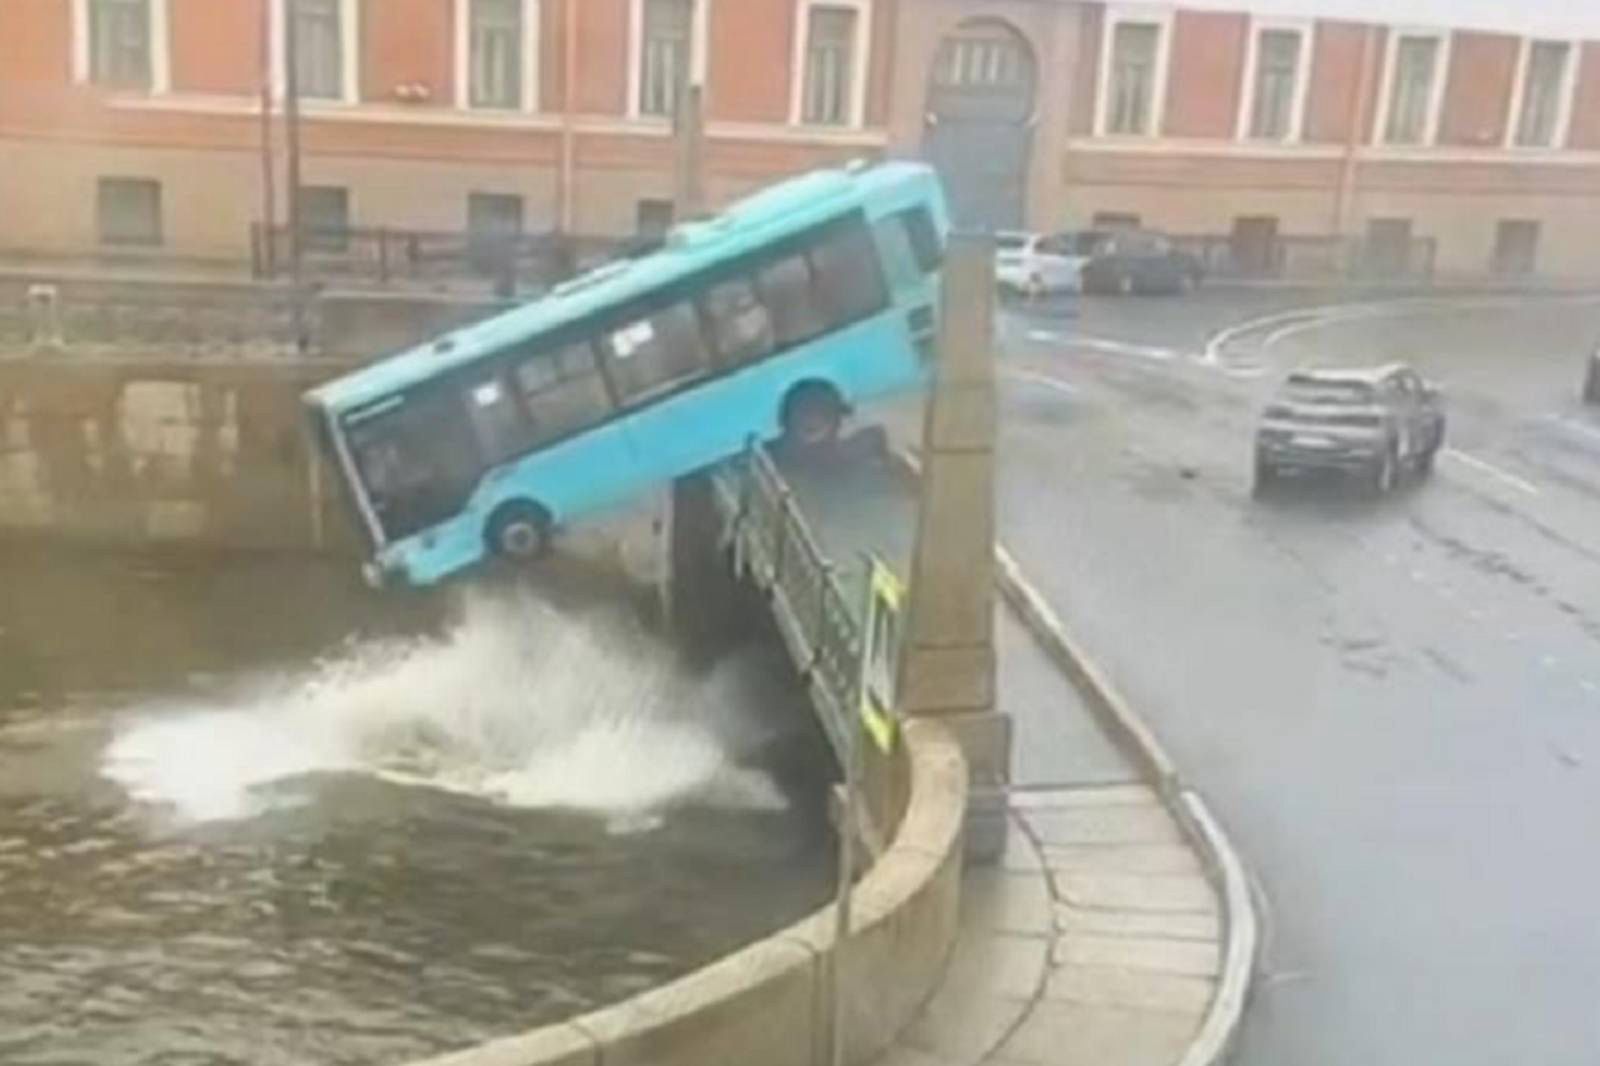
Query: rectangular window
[
  {"x": 665, "y": 55},
  {"x": 128, "y": 211},
  {"x": 496, "y": 63},
  {"x": 834, "y": 282},
  {"x": 741, "y": 327},
  {"x": 119, "y": 43},
  {"x": 653, "y": 217},
  {"x": 1414, "y": 80},
  {"x": 656, "y": 352},
  {"x": 1544, "y": 90},
  {"x": 1277, "y": 74},
  {"x": 325, "y": 217},
  {"x": 1135, "y": 48},
  {"x": 562, "y": 391},
  {"x": 319, "y": 48},
  {"x": 830, "y": 62},
  {"x": 1388, "y": 247},
  {"x": 494, "y": 214},
  {"x": 1516, "y": 247}
]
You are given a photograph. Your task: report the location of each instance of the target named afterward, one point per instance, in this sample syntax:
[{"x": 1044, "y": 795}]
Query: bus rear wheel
[
  {"x": 812, "y": 415},
  {"x": 519, "y": 531}
]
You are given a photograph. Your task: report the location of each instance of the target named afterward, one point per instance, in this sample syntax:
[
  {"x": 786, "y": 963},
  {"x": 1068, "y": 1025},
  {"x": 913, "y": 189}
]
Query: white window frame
[
  {"x": 1569, "y": 92},
  {"x": 1162, "y": 19},
  {"x": 350, "y": 60},
  {"x": 531, "y": 42},
  {"x": 1441, "y": 79},
  {"x": 860, "y": 60},
  {"x": 1306, "y": 28},
  {"x": 160, "y": 46},
  {"x": 698, "y": 29}
]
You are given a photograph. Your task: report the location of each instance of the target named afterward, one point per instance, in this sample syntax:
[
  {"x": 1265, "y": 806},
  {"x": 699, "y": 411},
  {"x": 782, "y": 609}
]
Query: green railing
[{"x": 774, "y": 547}]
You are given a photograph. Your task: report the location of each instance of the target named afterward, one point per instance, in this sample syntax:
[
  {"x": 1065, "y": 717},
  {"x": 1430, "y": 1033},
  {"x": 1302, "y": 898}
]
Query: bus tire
[
  {"x": 812, "y": 415},
  {"x": 519, "y": 531}
]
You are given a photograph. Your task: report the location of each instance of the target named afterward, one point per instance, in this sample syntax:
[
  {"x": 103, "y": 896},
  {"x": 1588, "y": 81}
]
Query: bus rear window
[{"x": 924, "y": 237}]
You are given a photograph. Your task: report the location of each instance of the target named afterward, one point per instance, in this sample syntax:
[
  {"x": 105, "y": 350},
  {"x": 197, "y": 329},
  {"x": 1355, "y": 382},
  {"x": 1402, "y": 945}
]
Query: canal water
[{"x": 251, "y": 812}]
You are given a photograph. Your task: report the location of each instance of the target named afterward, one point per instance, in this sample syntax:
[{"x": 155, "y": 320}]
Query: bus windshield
[{"x": 773, "y": 320}]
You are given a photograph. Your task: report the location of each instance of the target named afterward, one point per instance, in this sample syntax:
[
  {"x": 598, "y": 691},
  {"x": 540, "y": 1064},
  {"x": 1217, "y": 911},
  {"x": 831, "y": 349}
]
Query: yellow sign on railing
[{"x": 880, "y": 650}]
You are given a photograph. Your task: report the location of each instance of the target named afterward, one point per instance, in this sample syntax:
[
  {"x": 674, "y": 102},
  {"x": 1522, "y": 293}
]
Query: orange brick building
[{"x": 132, "y": 129}]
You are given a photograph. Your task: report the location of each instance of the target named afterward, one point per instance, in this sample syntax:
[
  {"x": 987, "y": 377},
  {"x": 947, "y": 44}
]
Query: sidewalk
[{"x": 1099, "y": 939}]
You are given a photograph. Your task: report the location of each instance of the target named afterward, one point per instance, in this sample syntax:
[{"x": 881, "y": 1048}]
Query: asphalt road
[{"x": 1394, "y": 705}]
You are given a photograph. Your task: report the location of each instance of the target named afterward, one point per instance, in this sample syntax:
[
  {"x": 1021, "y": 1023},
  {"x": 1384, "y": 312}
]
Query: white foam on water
[{"x": 516, "y": 703}]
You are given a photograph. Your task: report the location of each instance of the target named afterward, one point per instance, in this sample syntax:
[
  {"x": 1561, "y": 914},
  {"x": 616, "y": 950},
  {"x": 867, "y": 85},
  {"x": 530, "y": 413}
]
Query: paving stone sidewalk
[{"x": 1096, "y": 941}]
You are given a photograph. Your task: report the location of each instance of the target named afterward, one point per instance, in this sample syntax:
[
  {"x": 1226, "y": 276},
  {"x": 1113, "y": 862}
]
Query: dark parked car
[
  {"x": 1591, "y": 380},
  {"x": 1372, "y": 423},
  {"x": 1133, "y": 260}
]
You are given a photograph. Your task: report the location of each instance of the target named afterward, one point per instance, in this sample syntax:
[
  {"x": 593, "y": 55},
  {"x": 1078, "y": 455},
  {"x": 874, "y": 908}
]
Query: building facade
[{"x": 135, "y": 127}]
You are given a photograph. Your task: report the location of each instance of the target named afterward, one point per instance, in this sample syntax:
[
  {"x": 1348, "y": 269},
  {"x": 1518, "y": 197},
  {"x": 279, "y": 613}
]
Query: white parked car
[{"x": 1036, "y": 264}]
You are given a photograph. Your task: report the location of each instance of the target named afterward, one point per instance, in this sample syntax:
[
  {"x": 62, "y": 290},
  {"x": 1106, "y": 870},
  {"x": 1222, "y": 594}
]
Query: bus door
[{"x": 912, "y": 252}]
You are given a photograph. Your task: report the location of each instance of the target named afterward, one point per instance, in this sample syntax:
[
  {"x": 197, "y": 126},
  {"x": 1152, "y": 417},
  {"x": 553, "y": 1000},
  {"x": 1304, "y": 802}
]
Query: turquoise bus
[{"x": 770, "y": 320}]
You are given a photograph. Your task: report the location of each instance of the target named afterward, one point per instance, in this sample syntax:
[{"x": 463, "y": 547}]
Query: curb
[{"x": 1214, "y": 1039}]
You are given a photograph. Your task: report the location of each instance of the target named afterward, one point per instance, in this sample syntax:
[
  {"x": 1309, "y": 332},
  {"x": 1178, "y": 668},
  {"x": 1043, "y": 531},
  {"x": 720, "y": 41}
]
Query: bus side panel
[
  {"x": 707, "y": 424},
  {"x": 591, "y": 471}
]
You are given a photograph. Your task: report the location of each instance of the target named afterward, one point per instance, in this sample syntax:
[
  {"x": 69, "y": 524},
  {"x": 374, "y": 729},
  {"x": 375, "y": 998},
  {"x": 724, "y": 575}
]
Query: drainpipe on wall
[
  {"x": 569, "y": 75},
  {"x": 269, "y": 196},
  {"x": 1361, "y": 99}
]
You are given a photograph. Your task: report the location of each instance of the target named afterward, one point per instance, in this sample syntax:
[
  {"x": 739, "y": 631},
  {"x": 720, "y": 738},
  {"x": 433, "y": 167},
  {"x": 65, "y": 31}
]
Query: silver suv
[{"x": 1371, "y": 423}]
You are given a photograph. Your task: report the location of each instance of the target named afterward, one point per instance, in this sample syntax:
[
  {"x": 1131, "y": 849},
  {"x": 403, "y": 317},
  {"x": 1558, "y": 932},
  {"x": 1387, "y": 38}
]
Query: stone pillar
[
  {"x": 699, "y": 596},
  {"x": 947, "y": 665}
]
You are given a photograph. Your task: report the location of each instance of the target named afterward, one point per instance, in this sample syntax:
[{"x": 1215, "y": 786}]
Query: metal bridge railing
[{"x": 775, "y": 547}]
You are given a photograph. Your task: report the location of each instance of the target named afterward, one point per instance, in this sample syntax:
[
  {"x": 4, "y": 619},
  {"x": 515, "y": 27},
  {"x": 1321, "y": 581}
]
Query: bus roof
[{"x": 769, "y": 214}]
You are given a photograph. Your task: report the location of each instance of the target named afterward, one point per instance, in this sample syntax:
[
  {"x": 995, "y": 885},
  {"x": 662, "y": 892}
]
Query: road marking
[
  {"x": 1574, "y": 426},
  {"x": 1549, "y": 662},
  {"x": 1043, "y": 380},
  {"x": 1143, "y": 351},
  {"x": 1048, "y": 335},
  {"x": 1589, "y": 686},
  {"x": 1493, "y": 471}
]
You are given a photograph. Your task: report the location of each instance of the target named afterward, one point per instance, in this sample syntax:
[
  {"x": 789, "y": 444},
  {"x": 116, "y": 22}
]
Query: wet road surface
[
  {"x": 1394, "y": 705},
  {"x": 251, "y": 813}
]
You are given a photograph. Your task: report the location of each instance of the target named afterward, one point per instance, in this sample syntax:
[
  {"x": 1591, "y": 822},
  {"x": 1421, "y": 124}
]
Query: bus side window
[
  {"x": 657, "y": 351},
  {"x": 741, "y": 328},
  {"x": 787, "y": 290},
  {"x": 924, "y": 237},
  {"x": 849, "y": 278},
  {"x": 562, "y": 392},
  {"x": 899, "y": 258}
]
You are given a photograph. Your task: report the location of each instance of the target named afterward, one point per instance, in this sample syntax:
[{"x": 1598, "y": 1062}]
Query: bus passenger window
[
  {"x": 658, "y": 351},
  {"x": 786, "y": 287},
  {"x": 849, "y": 278},
  {"x": 562, "y": 392},
  {"x": 740, "y": 326}
]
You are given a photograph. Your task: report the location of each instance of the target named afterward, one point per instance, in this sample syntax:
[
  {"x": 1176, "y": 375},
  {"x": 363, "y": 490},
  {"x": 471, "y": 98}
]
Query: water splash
[{"x": 516, "y": 702}]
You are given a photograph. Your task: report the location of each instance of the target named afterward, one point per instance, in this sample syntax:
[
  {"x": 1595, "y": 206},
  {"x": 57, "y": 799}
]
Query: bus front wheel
[
  {"x": 812, "y": 415},
  {"x": 519, "y": 531}
]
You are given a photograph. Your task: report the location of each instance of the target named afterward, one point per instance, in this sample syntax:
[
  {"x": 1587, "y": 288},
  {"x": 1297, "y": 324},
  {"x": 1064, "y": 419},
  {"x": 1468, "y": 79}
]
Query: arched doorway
[{"x": 979, "y": 124}]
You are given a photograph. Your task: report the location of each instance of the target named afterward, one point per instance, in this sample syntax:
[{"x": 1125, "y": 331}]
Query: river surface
[{"x": 252, "y": 813}]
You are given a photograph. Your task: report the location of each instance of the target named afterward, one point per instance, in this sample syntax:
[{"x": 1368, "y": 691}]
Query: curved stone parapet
[{"x": 769, "y": 1003}]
